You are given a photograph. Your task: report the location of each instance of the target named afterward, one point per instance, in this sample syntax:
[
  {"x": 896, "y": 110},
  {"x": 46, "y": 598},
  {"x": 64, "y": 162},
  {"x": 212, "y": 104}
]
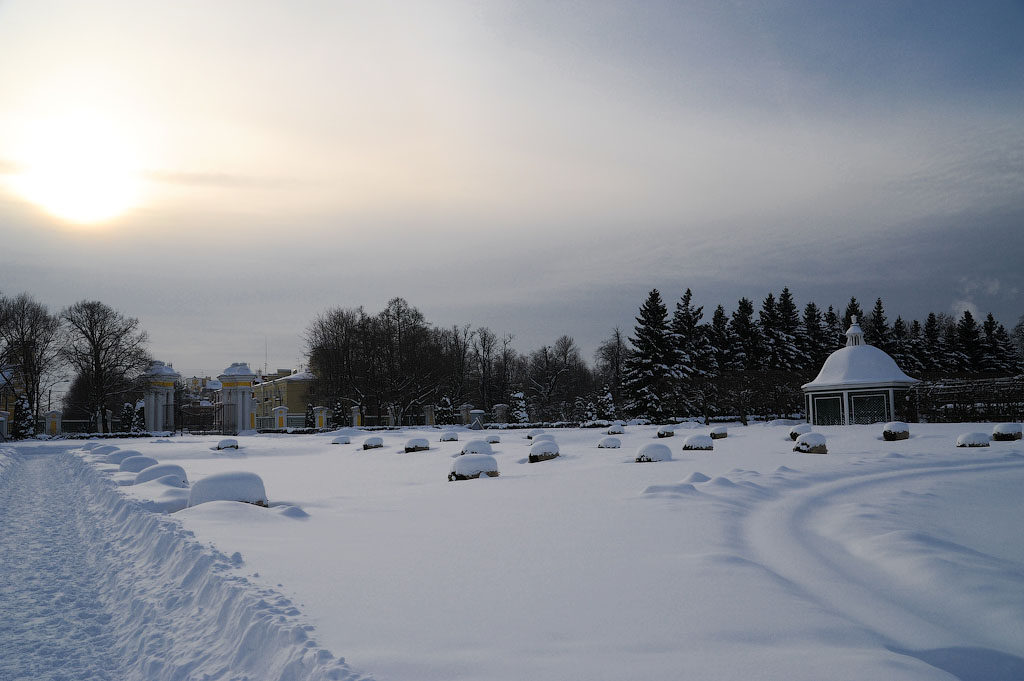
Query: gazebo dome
[{"x": 859, "y": 366}]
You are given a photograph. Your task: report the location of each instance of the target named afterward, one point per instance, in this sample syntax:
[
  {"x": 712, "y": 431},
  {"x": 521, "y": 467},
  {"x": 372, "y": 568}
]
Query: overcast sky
[{"x": 534, "y": 167}]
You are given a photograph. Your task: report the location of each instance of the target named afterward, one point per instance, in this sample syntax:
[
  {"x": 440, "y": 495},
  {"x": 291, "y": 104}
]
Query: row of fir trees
[{"x": 746, "y": 363}]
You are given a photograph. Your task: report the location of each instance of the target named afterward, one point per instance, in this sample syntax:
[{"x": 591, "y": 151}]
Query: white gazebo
[{"x": 857, "y": 384}]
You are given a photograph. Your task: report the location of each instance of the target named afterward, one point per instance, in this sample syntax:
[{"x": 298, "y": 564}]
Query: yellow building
[{"x": 284, "y": 389}]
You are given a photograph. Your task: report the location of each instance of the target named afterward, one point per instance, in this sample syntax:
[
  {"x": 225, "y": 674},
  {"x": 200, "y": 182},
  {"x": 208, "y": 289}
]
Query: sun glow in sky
[{"x": 77, "y": 167}]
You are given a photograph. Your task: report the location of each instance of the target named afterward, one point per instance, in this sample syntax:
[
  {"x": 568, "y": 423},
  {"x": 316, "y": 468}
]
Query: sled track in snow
[
  {"x": 93, "y": 587},
  {"x": 781, "y": 535}
]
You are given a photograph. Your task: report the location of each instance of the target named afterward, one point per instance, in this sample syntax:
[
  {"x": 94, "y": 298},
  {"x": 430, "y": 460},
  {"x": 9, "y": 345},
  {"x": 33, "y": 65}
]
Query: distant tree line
[{"x": 102, "y": 351}]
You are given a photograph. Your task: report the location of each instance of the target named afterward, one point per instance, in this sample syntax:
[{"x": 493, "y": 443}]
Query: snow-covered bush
[
  {"x": 698, "y": 443},
  {"x": 1006, "y": 431},
  {"x": 796, "y": 431},
  {"x": 228, "y": 443},
  {"x": 373, "y": 443},
  {"x": 342, "y": 440},
  {"x": 417, "y": 444},
  {"x": 609, "y": 443},
  {"x": 653, "y": 451},
  {"x": 895, "y": 430},
  {"x": 477, "y": 447},
  {"x": 665, "y": 431},
  {"x": 973, "y": 440},
  {"x": 118, "y": 455},
  {"x": 23, "y": 425},
  {"x": 493, "y": 439},
  {"x": 162, "y": 470},
  {"x": 105, "y": 450},
  {"x": 449, "y": 436},
  {"x": 473, "y": 466},
  {"x": 719, "y": 432},
  {"x": 811, "y": 443},
  {"x": 616, "y": 429},
  {"x": 233, "y": 486},
  {"x": 89, "y": 446},
  {"x": 134, "y": 464},
  {"x": 543, "y": 450},
  {"x": 534, "y": 433},
  {"x": 543, "y": 437}
]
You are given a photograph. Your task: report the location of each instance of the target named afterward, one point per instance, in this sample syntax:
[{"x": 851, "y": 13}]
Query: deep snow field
[{"x": 880, "y": 560}]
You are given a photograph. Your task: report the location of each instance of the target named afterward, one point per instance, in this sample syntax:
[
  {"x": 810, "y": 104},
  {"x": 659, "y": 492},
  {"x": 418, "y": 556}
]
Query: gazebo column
[{"x": 846, "y": 408}]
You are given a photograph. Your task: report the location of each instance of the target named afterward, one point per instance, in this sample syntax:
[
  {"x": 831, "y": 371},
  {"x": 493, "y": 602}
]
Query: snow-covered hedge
[
  {"x": 719, "y": 432},
  {"x": 119, "y": 455},
  {"x": 161, "y": 470},
  {"x": 698, "y": 442},
  {"x": 417, "y": 444},
  {"x": 493, "y": 439},
  {"x": 973, "y": 440},
  {"x": 477, "y": 447},
  {"x": 609, "y": 443},
  {"x": 543, "y": 450},
  {"x": 544, "y": 437},
  {"x": 667, "y": 431},
  {"x": 232, "y": 486},
  {"x": 811, "y": 443},
  {"x": 449, "y": 436},
  {"x": 895, "y": 430},
  {"x": 653, "y": 451},
  {"x": 473, "y": 466},
  {"x": 134, "y": 464},
  {"x": 228, "y": 443},
  {"x": 1006, "y": 431},
  {"x": 534, "y": 433},
  {"x": 342, "y": 440},
  {"x": 615, "y": 429},
  {"x": 796, "y": 431},
  {"x": 373, "y": 443}
]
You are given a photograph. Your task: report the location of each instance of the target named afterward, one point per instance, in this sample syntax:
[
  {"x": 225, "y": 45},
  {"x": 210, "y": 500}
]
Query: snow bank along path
[{"x": 93, "y": 587}]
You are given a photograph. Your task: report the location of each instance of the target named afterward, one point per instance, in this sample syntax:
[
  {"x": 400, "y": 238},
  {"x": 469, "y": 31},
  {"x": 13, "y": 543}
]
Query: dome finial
[{"x": 854, "y": 335}]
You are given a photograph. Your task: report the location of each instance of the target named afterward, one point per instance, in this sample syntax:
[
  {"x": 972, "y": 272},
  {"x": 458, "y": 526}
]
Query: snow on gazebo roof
[{"x": 858, "y": 365}]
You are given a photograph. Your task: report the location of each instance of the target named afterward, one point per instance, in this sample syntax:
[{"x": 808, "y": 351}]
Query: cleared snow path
[{"x": 92, "y": 587}]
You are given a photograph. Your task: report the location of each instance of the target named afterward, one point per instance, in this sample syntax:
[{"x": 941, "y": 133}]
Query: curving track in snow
[
  {"x": 840, "y": 542},
  {"x": 94, "y": 588}
]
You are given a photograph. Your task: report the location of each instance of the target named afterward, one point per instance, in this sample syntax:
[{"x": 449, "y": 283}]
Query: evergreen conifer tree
[
  {"x": 876, "y": 328},
  {"x": 139, "y": 417},
  {"x": 771, "y": 338},
  {"x": 721, "y": 340},
  {"x": 813, "y": 337},
  {"x": 852, "y": 310},
  {"x": 788, "y": 332},
  {"x": 127, "y": 418},
  {"x": 953, "y": 360},
  {"x": 746, "y": 349},
  {"x": 650, "y": 374},
  {"x": 23, "y": 424},
  {"x": 932, "y": 345},
  {"x": 310, "y": 420},
  {"x": 835, "y": 334},
  {"x": 901, "y": 347},
  {"x": 969, "y": 341}
]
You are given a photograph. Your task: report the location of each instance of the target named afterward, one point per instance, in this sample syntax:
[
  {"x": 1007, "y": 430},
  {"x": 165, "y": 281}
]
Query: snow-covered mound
[
  {"x": 698, "y": 442},
  {"x": 473, "y": 466},
  {"x": 417, "y": 444},
  {"x": 542, "y": 450},
  {"x": 609, "y": 443},
  {"x": 228, "y": 443},
  {"x": 895, "y": 430},
  {"x": 653, "y": 451},
  {"x": 373, "y": 443},
  {"x": 543, "y": 437},
  {"x": 91, "y": 445},
  {"x": 1006, "y": 431},
  {"x": 342, "y": 440},
  {"x": 104, "y": 450},
  {"x": 119, "y": 455},
  {"x": 533, "y": 433},
  {"x": 231, "y": 486},
  {"x": 134, "y": 464},
  {"x": 477, "y": 447},
  {"x": 161, "y": 495},
  {"x": 161, "y": 470},
  {"x": 973, "y": 440},
  {"x": 449, "y": 436},
  {"x": 811, "y": 443},
  {"x": 493, "y": 439},
  {"x": 719, "y": 432},
  {"x": 666, "y": 431},
  {"x": 797, "y": 431},
  {"x": 615, "y": 429}
]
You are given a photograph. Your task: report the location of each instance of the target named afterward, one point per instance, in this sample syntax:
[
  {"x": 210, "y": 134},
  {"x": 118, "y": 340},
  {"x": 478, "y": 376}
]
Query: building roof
[{"x": 859, "y": 365}]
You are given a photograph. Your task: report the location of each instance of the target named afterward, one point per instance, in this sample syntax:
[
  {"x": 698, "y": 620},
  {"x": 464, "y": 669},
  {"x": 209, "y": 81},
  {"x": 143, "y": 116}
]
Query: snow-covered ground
[{"x": 879, "y": 560}]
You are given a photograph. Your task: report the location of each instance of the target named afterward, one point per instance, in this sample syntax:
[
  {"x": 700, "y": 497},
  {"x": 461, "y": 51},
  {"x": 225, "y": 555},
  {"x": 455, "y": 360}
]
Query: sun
[{"x": 77, "y": 167}]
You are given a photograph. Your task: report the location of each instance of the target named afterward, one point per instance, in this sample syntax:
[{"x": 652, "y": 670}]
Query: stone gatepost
[
  {"x": 428, "y": 415},
  {"x": 236, "y": 396},
  {"x": 501, "y": 413},
  {"x": 320, "y": 416},
  {"x": 52, "y": 422},
  {"x": 110, "y": 420},
  {"x": 5, "y": 419},
  {"x": 357, "y": 419},
  {"x": 464, "y": 413},
  {"x": 476, "y": 419},
  {"x": 280, "y": 416},
  {"x": 392, "y": 418},
  {"x": 159, "y": 397}
]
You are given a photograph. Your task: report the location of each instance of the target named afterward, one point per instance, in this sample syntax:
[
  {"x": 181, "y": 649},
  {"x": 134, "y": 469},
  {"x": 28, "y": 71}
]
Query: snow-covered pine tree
[
  {"x": 969, "y": 341},
  {"x": 604, "y": 404},
  {"x": 127, "y": 418},
  {"x": 768, "y": 323},
  {"x": 517, "y": 408},
  {"x": 23, "y": 424},
  {"x": 812, "y": 338},
  {"x": 696, "y": 354},
  {"x": 901, "y": 348},
  {"x": 721, "y": 340},
  {"x": 746, "y": 349},
  {"x": 932, "y": 345},
  {"x": 954, "y": 361},
  {"x": 835, "y": 334},
  {"x": 915, "y": 344},
  {"x": 994, "y": 359},
  {"x": 876, "y": 328},
  {"x": 310, "y": 420},
  {"x": 650, "y": 372},
  {"x": 788, "y": 332},
  {"x": 139, "y": 417}
]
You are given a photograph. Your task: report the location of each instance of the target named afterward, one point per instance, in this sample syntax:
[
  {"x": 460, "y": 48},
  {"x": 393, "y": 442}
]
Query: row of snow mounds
[
  {"x": 183, "y": 614},
  {"x": 7, "y": 458}
]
